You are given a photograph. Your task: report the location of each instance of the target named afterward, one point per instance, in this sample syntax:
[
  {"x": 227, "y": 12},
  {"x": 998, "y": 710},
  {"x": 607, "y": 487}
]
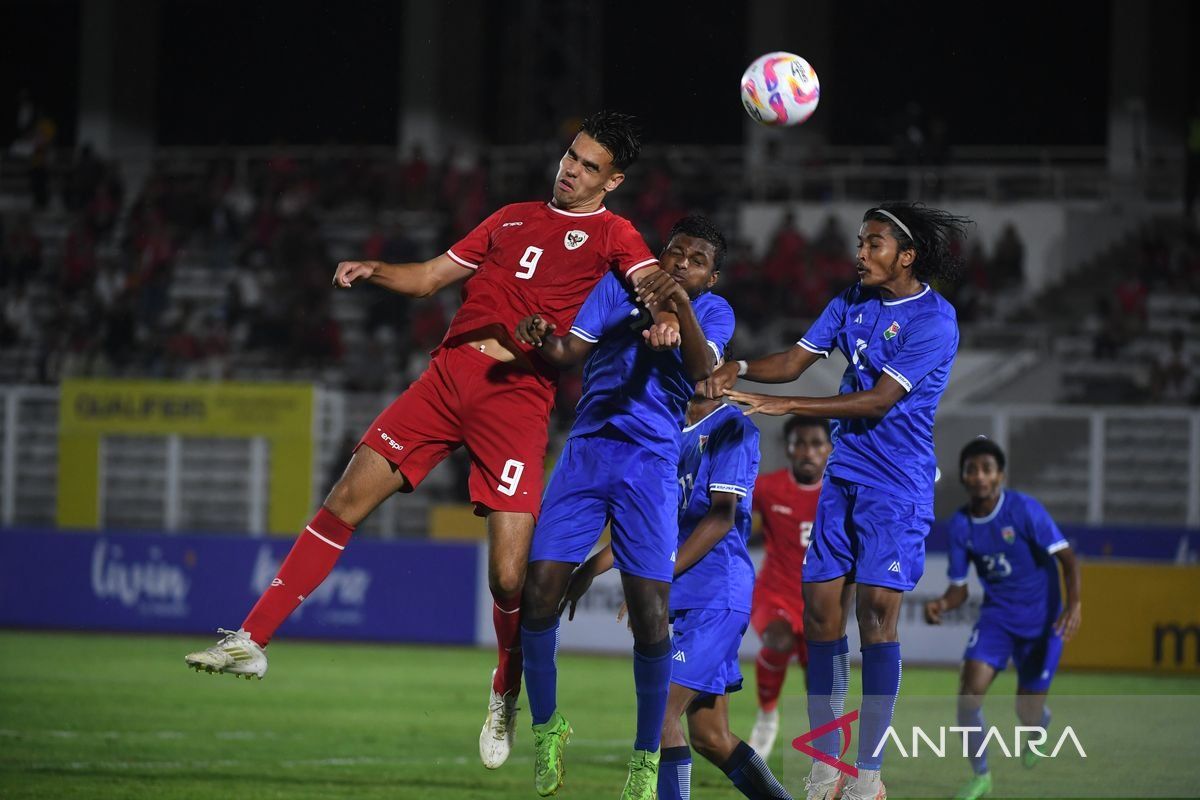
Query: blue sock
[
  {"x": 651, "y": 681},
  {"x": 880, "y": 685},
  {"x": 828, "y": 679},
  {"x": 675, "y": 773},
  {"x": 539, "y": 655},
  {"x": 1046, "y": 718},
  {"x": 974, "y": 719},
  {"x": 749, "y": 773}
]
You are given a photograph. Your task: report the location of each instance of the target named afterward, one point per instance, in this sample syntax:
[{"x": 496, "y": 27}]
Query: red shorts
[
  {"x": 768, "y": 606},
  {"x": 499, "y": 411}
]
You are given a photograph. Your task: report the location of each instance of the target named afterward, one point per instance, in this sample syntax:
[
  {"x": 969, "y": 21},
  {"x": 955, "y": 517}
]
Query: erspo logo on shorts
[{"x": 392, "y": 443}]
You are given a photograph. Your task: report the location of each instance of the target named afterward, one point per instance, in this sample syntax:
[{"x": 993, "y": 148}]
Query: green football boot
[
  {"x": 977, "y": 787},
  {"x": 642, "y": 783},
  {"x": 549, "y": 739}
]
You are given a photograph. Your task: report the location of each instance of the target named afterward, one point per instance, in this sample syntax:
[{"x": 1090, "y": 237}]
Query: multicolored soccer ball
[{"x": 780, "y": 89}]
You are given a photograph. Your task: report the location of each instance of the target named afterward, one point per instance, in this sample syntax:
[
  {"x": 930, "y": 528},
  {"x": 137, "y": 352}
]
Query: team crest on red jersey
[
  {"x": 574, "y": 239},
  {"x": 1008, "y": 534}
]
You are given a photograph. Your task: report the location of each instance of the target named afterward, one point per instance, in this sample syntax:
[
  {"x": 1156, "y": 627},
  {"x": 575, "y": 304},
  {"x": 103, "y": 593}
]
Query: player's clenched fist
[
  {"x": 348, "y": 272},
  {"x": 722, "y": 378},
  {"x": 661, "y": 336},
  {"x": 533, "y": 330},
  {"x": 933, "y": 611}
]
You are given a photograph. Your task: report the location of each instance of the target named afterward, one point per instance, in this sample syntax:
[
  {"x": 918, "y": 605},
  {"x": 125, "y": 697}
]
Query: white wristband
[{"x": 743, "y": 368}]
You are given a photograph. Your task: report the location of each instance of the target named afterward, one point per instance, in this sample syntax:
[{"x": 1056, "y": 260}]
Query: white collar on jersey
[
  {"x": 921, "y": 293},
  {"x": 566, "y": 213},
  {"x": 991, "y": 516},
  {"x": 716, "y": 410}
]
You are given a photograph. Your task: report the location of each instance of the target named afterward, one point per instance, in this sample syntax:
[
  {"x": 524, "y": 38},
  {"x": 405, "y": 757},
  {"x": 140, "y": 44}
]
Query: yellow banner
[
  {"x": 89, "y": 410},
  {"x": 1138, "y": 617}
]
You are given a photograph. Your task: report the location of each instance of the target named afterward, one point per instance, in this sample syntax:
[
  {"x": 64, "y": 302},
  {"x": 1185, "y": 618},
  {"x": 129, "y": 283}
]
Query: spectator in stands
[
  {"x": 787, "y": 256},
  {"x": 1107, "y": 327},
  {"x": 21, "y": 255},
  {"x": 1008, "y": 260},
  {"x": 1172, "y": 379}
]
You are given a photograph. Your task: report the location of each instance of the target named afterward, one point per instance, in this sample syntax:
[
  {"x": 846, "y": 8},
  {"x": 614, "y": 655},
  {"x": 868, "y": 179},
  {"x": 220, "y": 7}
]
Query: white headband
[{"x": 894, "y": 219}]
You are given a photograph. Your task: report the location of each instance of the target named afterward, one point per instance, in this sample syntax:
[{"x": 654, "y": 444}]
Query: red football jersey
[
  {"x": 787, "y": 510},
  {"x": 534, "y": 258}
]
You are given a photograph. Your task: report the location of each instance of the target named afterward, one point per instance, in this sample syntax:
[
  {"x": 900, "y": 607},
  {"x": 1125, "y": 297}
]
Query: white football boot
[
  {"x": 499, "y": 729},
  {"x": 823, "y": 782},
  {"x": 867, "y": 786},
  {"x": 236, "y": 654},
  {"x": 766, "y": 728}
]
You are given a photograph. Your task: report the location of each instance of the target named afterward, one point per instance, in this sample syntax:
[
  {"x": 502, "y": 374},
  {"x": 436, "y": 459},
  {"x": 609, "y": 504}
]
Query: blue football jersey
[
  {"x": 912, "y": 339},
  {"x": 718, "y": 454},
  {"x": 642, "y": 392},
  {"x": 1013, "y": 551}
]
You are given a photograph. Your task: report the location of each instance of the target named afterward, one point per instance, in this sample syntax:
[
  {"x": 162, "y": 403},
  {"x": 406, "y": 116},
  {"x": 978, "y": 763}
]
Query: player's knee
[
  {"x": 779, "y": 638},
  {"x": 822, "y": 622},
  {"x": 876, "y": 624},
  {"x": 506, "y": 580}
]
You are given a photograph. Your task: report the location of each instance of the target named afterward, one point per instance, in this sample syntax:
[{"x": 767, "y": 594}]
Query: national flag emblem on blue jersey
[
  {"x": 1008, "y": 534},
  {"x": 703, "y": 441},
  {"x": 892, "y": 330}
]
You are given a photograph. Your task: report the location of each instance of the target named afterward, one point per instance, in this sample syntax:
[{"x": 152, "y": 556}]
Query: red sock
[
  {"x": 506, "y": 616},
  {"x": 770, "y": 668},
  {"x": 310, "y": 562}
]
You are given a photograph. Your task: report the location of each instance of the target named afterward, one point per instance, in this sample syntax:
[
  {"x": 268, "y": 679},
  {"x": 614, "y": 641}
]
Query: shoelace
[
  {"x": 500, "y": 714},
  {"x": 640, "y": 773},
  {"x": 542, "y": 761}
]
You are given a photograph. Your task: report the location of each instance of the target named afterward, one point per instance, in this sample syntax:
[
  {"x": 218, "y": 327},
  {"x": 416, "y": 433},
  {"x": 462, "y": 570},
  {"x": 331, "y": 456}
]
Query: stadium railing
[{"x": 1130, "y": 466}]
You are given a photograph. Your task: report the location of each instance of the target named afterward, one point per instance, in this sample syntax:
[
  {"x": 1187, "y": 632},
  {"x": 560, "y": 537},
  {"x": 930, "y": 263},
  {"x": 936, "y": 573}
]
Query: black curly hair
[
  {"x": 701, "y": 227},
  {"x": 617, "y": 133},
  {"x": 930, "y": 233},
  {"x": 981, "y": 446}
]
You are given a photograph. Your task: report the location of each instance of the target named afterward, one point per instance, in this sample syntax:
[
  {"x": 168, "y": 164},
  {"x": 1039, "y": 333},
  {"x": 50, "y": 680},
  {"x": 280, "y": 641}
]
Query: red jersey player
[
  {"x": 482, "y": 390},
  {"x": 787, "y": 502}
]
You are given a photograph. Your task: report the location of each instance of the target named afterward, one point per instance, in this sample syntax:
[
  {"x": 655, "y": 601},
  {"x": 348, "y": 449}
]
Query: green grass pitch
[{"x": 112, "y": 716}]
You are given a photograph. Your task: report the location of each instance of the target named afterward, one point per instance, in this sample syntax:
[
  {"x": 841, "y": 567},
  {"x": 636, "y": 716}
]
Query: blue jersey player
[
  {"x": 619, "y": 465},
  {"x": 710, "y": 601},
  {"x": 876, "y": 505},
  {"x": 1016, "y": 549}
]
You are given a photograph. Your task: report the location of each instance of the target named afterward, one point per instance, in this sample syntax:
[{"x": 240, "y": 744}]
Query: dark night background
[{"x": 314, "y": 73}]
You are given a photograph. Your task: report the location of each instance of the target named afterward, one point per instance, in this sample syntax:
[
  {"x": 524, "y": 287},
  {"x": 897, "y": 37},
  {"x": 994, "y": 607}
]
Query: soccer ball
[{"x": 780, "y": 89}]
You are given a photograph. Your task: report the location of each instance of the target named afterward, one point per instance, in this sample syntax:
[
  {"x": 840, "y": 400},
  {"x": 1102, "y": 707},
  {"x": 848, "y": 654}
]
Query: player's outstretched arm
[
  {"x": 954, "y": 597},
  {"x": 710, "y": 530},
  {"x": 562, "y": 352},
  {"x": 1068, "y": 621},
  {"x": 419, "y": 279},
  {"x": 775, "y": 368},
  {"x": 582, "y": 577},
  {"x": 871, "y": 404}
]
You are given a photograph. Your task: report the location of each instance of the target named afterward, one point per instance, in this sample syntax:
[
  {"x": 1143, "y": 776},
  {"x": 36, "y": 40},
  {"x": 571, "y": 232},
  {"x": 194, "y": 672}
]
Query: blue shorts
[
  {"x": 1036, "y": 657},
  {"x": 706, "y": 642},
  {"x": 605, "y": 477},
  {"x": 868, "y": 535}
]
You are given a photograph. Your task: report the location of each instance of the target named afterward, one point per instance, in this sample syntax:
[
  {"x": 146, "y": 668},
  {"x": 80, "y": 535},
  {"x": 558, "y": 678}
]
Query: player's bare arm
[
  {"x": 562, "y": 352},
  {"x": 653, "y": 275},
  {"x": 669, "y": 295},
  {"x": 775, "y": 368},
  {"x": 953, "y": 597},
  {"x": 582, "y": 577},
  {"x": 1068, "y": 621},
  {"x": 874, "y": 403},
  {"x": 710, "y": 530},
  {"x": 418, "y": 279}
]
